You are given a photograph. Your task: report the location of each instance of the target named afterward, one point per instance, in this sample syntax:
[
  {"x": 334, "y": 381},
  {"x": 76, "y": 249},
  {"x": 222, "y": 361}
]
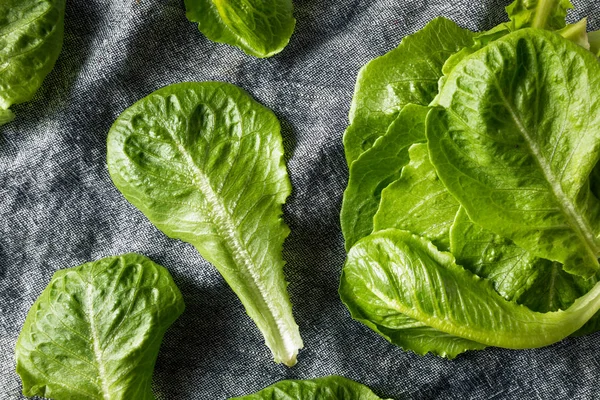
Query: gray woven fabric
[{"x": 58, "y": 207}]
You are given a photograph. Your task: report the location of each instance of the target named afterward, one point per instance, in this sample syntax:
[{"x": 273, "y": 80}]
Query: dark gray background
[{"x": 58, "y": 207}]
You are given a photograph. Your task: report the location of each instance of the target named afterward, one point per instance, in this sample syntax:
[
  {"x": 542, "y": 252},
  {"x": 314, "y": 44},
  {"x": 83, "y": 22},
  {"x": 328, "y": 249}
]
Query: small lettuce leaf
[
  {"x": 407, "y": 74},
  {"x": 327, "y": 388},
  {"x": 500, "y": 144},
  {"x": 31, "y": 36},
  {"x": 375, "y": 169},
  {"x": 204, "y": 162},
  {"x": 261, "y": 28},
  {"x": 541, "y": 14},
  {"x": 576, "y": 33},
  {"x": 410, "y": 276},
  {"x": 418, "y": 202},
  {"x": 95, "y": 331}
]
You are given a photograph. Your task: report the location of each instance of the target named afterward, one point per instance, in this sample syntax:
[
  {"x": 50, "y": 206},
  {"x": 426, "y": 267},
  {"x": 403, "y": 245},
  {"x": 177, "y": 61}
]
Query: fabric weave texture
[{"x": 59, "y": 208}]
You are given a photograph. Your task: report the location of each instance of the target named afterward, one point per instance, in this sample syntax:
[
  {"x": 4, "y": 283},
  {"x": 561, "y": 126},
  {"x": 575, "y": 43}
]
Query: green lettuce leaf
[
  {"x": 95, "y": 331},
  {"x": 500, "y": 144},
  {"x": 409, "y": 275},
  {"x": 594, "y": 40},
  {"x": 407, "y": 74},
  {"x": 541, "y": 14},
  {"x": 375, "y": 169},
  {"x": 31, "y": 36},
  {"x": 418, "y": 202},
  {"x": 204, "y": 162},
  {"x": 261, "y": 28},
  {"x": 327, "y": 388}
]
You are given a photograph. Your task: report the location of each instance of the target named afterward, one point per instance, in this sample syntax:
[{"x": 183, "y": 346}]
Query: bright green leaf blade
[
  {"x": 407, "y": 74},
  {"x": 541, "y": 14},
  {"x": 375, "y": 169},
  {"x": 31, "y": 36},
  {"x": 95, "y": 331},
  {"x": 204, "y": 162},
  {"x": 327, "y": 388},
  {"x": 410, "y": 276},
  {"x": 539, "y": 284},
  {"x": 418, "y": 202},
  {"x": 594, "y": 40},
  {"x": 518, "y": 140},
  {"x": 261, "y": 28}
]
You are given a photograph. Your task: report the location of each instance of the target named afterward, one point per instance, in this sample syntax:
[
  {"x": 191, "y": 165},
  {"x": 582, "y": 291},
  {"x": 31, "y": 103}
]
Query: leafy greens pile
[
  {"x": 95, "y": 331},
  {"x": 204, "y": 162},
  {"x": 31, "y": 36},
  {"x": 261, "y": 28},
  {"x": 327, "y": 388},
  {"x": 472, "y": 212}
]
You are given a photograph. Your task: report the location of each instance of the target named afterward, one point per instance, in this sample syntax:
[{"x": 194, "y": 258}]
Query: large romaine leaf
[
  {"x": 204, "y": 162},
  {"x": 407, "y": 74},
  {"x": 31, "y": 36},
  {"x": 261, "y": 28},
  {"x": 517, "y": 141},
  {"x": 541, "y": 14},
  {"x": 418, "y": 202},
  {"x": 95, "y": 331},
  {"x": 327, "y": 388},
  {"x": 409, "y": 275},
  {"x": 375, "y": 169}
]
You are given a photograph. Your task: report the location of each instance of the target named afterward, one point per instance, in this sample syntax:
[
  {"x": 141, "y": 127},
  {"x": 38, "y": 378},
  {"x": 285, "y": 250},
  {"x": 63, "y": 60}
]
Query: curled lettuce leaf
[{"x": 261, "y": 28}]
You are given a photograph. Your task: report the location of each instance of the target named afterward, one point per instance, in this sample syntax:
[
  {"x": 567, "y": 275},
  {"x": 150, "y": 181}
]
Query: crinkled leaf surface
[
  {"x": 31, "y": 36},
  {"x": 542, "y": 14},
  {"x": 539, "y": 284},
  {"x": 411, "y": 276},
  {"x": 204, "y": 162},
  {"x": 375, "y": 169},
  {"x": 95, "y": 331},
  {"x": 261, "y": 28},
  {"x": 407, "y": 74},
  {"x": 327, "y": 388},
  {"x": 418, "y": 202},
  {"x": 517, "y": 141}
]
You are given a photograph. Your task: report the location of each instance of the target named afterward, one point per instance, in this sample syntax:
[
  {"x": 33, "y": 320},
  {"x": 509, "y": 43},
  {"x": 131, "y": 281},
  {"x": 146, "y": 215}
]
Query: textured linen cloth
[{"x": 59, "y": 208}]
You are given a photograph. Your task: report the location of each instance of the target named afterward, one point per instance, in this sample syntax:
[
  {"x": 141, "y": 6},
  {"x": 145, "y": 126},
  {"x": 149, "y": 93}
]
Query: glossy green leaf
[
  {"x": 517, "y": 141},
  {"x": 407, "y": 74},
  {"x": 541, "y": 14},
  {"x": 95, "y": 331},
  {"x": 412, "y": 277},
  {"x": 375, "y": 169},
  {"x": 204, "y": 162},
  {"x": 31, "y": 36},
  {"x": 261, "y": 28},
  {"x": 327, "y": 388},
  {"x": 418, "y": 202}
]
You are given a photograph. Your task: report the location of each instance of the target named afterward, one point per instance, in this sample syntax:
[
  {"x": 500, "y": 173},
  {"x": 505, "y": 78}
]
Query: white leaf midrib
[{"x": 102, "y": 375}]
